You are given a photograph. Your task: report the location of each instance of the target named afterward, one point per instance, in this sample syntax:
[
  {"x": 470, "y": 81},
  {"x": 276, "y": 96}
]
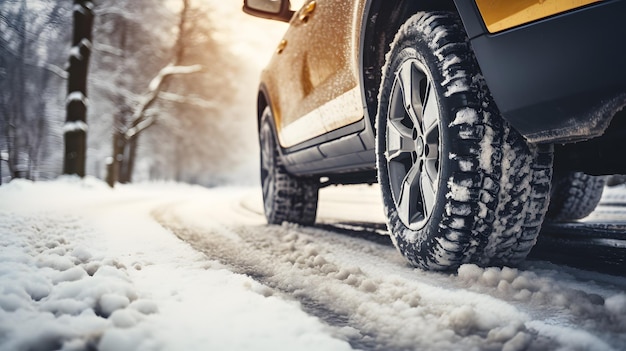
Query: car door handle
[
  {"x": 306, "y": 11},
  {"x": 281, "y": 46}
]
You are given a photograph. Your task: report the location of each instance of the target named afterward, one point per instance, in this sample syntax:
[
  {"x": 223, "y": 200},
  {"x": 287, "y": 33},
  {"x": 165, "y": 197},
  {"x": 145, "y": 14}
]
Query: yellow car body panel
[
  {"x": 500, "y": 15},
  {"x": 317, "y": 89}
]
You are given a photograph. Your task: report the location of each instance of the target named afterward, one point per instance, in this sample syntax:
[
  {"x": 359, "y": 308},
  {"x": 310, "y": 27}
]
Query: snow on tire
[
  {"x": 286, "y": 197},
  {"x": 574, "y": 195},
  {"x": 459, "y": 185}
]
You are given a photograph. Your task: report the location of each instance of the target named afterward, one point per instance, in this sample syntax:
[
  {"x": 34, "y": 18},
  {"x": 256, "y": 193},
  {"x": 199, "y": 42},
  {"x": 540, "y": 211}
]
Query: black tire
[
  {"x": 477, "y": 192},
  {"x": 574, "y": 196},
  {"x": 286, "y": 197},
  {"x": 615, "y": 180}
]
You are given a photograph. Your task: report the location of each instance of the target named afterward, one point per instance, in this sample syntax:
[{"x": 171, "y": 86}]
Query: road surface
[{"x": 345, "y": 271}]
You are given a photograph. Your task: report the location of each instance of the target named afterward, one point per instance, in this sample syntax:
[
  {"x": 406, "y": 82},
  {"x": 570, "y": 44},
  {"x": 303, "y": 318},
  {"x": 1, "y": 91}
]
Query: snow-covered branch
[
  {"x": 191, "y": 100},
  {"x": 141, "y": 126},
  {"x": 139, "y": 120},
  {"x": 106, "y": 11},
  {"x": 107, "y": 49},
  {"x": 171, "y": 69},
  {"x": 56, "y": 70}
]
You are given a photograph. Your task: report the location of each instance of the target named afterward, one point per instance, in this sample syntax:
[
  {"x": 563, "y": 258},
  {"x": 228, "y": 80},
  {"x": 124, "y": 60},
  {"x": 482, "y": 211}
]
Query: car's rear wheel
[
  {"x": 459, "y": 184},
  {"x": 574, "y": 195},
  {"x": 286, "y": 197}
]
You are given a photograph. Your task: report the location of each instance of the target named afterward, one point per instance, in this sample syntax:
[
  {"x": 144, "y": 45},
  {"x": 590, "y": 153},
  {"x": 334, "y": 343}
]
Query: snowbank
[{"x": 83, "y": 266}]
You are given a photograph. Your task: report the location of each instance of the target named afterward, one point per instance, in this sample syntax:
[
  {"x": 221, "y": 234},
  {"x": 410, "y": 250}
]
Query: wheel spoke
[
  {"x": 430, "y": 110},
  {"x": 409, "y": 81},
  {"x": 267, "y": 167},
  {"x": 407, "y": 205},
  {"x": 267, "y": 173},
  {"x": 399, "y": 139},
  {"x": 267, "y": 150},
  {"x": 428, "y": 192},
  {"x": 266, "y": 162},
  {"x": 267, "y": 184},
  {"x": 432, "y": 158}
]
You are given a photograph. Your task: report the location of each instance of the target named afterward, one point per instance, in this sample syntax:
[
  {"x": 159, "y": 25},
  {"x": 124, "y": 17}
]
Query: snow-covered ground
[{"x": 84, "y": 267}]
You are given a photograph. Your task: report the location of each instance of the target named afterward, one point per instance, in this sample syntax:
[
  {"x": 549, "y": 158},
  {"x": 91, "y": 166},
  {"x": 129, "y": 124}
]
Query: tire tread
[{"x": 507, "y": 195}]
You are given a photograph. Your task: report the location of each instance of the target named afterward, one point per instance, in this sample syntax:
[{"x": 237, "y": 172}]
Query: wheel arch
[
  {"x": 381, "y": 21},
  {"x": 261, "y": 103}
]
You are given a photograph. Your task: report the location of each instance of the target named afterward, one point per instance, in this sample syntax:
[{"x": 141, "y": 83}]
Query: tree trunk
[
  {"x": 114, "y": 166},
  {"x": 140, "y": 121},
  {"x": 75, "y": 129},
  {"x": 128, "y": 163}
]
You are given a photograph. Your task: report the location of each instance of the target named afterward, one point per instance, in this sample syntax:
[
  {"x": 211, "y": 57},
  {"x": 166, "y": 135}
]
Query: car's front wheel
[
  {"x": 286, "y": 197},
  {"x": 459, "y": 184}
]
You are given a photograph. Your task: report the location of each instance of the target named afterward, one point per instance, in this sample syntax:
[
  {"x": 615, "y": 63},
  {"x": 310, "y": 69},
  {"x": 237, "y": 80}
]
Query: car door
[
  {"x": 333, "y": 55},
  {"x": 314, "y": 71}
]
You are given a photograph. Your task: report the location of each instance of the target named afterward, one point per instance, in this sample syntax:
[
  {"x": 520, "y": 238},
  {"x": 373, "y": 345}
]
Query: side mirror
[{"x": 270, "y": 9}]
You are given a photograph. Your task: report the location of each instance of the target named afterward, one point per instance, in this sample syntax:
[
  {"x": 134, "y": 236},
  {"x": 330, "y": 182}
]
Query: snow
[
  {"x": 450, "y": 61},
  {"x": 113, "y": 278},
  {"x": 169, "y": 70},
  {"x": 616, "y": 304},
  {"x": 86, "y": 43},
  {"x": 466, "y": 115},
  {"x": 459, "y": 191},
  {"x": 75, "y": 52},
  {"x": 456, "y": 87},
  {"x": 486, "y": 147},
  {"x": 87, "y": 5},
  {"x": 166, "y": 266},
  {"x": 76, "y": 96},
  {"x": 75, "y": 126}
]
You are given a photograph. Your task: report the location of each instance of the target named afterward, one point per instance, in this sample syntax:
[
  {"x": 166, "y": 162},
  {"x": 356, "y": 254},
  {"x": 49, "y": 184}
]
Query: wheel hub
[{"x": 419, "y": 147}]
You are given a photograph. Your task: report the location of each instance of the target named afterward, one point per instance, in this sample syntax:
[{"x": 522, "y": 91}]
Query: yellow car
[{"x": 479, "y": 118}]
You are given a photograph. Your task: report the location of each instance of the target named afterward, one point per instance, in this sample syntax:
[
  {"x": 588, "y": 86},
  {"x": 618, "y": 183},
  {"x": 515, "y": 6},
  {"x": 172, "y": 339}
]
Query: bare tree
[
  {"x": 125, "y": 138},
  {"x": 29, "y": 38},
  {"x": 75, "y": 130},
  {"x": 198, "y": 134},
  {"x": 140, "y": 82},
  {"x": 14, "y": 103}
]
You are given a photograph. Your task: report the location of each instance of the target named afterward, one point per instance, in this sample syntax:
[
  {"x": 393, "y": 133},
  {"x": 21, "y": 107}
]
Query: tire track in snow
[
  {"x": 365, "y": 290},
  {"x": 250, "y": 258}
]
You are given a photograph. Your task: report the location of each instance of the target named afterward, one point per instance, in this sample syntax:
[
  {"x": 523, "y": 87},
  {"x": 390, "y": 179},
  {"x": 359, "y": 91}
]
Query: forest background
[{"x": 201, "y": 127}]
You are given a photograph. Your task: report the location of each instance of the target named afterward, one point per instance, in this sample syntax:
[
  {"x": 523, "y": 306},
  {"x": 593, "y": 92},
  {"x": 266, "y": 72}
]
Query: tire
[
  {"x": 286, "y": 197},
  {"x": 459, "y": 185},
  {"x": 574, "y": 196},
  {"x": 615, "y": 180}
]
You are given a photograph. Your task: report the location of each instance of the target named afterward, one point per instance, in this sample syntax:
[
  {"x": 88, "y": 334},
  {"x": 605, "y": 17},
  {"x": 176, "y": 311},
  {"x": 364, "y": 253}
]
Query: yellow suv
[{"x": 479, "y": 118}]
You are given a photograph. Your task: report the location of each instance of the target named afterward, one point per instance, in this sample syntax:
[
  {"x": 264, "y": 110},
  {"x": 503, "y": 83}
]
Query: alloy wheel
[{"x": 412, "y": 144}]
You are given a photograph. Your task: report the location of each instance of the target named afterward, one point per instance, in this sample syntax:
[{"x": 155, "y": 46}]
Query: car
[{"x": 480, "y": 119}]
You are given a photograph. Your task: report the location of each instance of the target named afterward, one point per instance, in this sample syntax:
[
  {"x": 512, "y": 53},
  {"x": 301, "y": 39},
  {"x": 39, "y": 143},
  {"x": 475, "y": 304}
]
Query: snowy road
[
  {"x": 168, "y": 267},
  {"x": 349, "y": 275}
]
